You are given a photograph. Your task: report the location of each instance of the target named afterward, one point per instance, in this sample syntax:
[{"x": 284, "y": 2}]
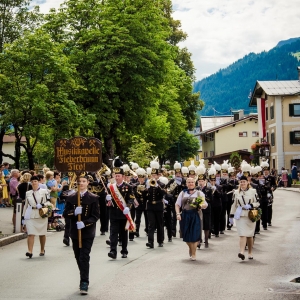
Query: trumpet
[
  {"x": 100, "y": 177},
  {"x": 152, "y": 182},
  {"x": 140, "y": 188}
]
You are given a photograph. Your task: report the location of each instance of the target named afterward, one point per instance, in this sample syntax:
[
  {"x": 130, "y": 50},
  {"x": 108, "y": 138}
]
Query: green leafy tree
[
  {"x": 35, "y": 82},
  {"x": 185, "y": 147}
]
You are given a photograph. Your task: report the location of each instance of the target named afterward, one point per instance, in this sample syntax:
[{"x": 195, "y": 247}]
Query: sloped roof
[
  {"x": 252, "y": 116},
  {"x": 211, "y": 122},
  {"x": 11, "y": 139},
  {"x": 275, "y": 88}
]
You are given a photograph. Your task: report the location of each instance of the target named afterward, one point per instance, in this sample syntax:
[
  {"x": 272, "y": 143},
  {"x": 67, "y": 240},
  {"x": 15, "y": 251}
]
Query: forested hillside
[{"x": 229, "y": 88}]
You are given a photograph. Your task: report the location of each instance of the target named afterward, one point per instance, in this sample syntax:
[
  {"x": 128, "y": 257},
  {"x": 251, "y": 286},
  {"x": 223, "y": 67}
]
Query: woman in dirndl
[
  {"x": 244, "y": 199},
  {"x": 189, "y": 217},
  {"x": 35, "y": 224}
]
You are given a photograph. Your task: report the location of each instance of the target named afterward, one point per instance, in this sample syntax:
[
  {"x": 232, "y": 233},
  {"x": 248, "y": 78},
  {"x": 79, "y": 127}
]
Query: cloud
[{"x": 222, "y": 31}]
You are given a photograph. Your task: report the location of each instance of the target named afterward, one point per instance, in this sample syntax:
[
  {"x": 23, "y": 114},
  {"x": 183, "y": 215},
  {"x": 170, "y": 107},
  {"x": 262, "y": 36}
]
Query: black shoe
[
  {"x": 120, "y": 244},
  {"x": 107, "y": 242},
  {"x": 221, "y": 232},
  {"x": 269, "y": 224},
  {"x": 170, "y": 240},
  {"x": 124, "y": 255},
  {"x": 228, "y": 228},
  {"x": 28, "y": 254},
  {"x": 217, "y": 235},
  {"x": 137, "y": 234},
  {"x": 42, "y": 253},
  {"x": 102, "y": 233},
  {"x": 66, "y": 241},
  {"x": 265, "y": 228},
  {"x": 199, "y": 246},
  {"x": 149, "y": 245},
  {"x": 241, "y": 256},
  {"x": 84, "y": 288},
  {"x": 173, "y": 234},
  {"x": 206, "y": 245},
  {"x": 160, "y": 245},
  {"x": 257, "y": 232},
  {"x": 131, "y": 240},
  {"x": 112, "y": 255}
]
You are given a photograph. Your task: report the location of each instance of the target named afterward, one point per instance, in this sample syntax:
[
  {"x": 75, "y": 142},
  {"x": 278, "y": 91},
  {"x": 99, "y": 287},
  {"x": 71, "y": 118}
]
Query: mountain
[
  {"x": 229, "y": 88},
  {"x": 286, "y": 42}
]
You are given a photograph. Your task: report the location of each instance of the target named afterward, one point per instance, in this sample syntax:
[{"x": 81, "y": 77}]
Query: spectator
[
  {"x": 284, "y": 176},
  {"x": 294, "y": 173},
  {"x": 5, "y": 170},
  {"x": 3, "y": 184},
  {"x": 13, "y": 184},
  {"x": 42, "y": 184},
  {"x": 52, "y": 186}
]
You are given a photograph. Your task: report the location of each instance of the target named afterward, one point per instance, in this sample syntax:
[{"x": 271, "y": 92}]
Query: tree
[
  {"x": 185, "y": 147},
  {"x": 35, "y": 82}
]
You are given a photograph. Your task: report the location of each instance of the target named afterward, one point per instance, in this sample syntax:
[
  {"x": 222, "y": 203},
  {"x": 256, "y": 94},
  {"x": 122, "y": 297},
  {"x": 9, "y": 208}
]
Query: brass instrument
[
  {"x": 140, "y": 188},
  {"x": 99, "y": 175},
  {"x": 152, "y": 182},
  {"x": 172, "y": 186},
  {"x": 73, "y": 182}
]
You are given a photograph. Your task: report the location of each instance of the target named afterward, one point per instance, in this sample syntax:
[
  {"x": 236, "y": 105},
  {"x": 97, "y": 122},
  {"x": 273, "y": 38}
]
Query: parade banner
[{"x": 78, "y": 154}]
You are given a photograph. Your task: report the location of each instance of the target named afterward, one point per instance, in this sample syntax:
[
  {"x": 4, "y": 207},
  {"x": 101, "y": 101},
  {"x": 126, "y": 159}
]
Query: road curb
[
  {"x": 290, "y": 190},
  {"x": 13, "y": 238}
]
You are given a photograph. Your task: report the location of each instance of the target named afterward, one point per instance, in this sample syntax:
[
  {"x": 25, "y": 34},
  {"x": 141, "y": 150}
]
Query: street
[{"x": 164, "y": 273}]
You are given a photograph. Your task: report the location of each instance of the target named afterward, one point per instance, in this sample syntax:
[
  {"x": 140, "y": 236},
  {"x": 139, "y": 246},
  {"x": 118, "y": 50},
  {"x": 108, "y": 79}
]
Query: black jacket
[
  {"x": 90, "y": 214},
  {"x": 155, "y": 198}
]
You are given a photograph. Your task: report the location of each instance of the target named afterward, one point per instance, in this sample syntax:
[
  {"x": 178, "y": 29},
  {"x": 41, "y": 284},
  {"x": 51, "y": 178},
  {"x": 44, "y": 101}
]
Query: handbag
[
  {"x": 44, "y": 212},
  {"x": 255, "y": 214}
]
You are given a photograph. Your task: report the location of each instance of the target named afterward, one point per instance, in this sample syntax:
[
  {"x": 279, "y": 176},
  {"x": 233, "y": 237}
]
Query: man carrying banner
[
  {"x": 119, "y": 201},
  {"x": 89, "y": 211}
]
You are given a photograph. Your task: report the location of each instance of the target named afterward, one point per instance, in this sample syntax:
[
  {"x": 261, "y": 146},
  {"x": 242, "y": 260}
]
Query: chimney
[{"x": 298, "y": 69}]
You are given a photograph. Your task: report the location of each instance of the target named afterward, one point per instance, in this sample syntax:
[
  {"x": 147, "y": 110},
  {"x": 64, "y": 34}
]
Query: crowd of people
[{"x": 195, "y": 202}]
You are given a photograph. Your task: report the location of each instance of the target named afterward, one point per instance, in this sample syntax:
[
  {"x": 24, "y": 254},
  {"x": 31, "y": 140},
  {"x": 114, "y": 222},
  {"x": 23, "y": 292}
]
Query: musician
[
  {"x": 232, "y": 185},
  {"x": 140, "y": 192},
  {"x": 155, "y": 207},
  {"x": 175, "y": 186},
  {"x": 192, "y": 171},
  {"x": 89, "y": 211},
  {"x": 185, "y": 172},
  {"x": 134, "y": 178},
  {"x": 119, "y": 205},
  {"x": 270, "y": 182},
  {"x": 98, "y": 188},
  {"x": 218, "y": 174}
]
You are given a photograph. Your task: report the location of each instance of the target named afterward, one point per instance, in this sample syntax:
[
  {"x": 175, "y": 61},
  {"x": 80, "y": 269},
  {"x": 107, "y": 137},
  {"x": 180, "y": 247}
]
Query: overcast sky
[{"x": 223, "y": 31}]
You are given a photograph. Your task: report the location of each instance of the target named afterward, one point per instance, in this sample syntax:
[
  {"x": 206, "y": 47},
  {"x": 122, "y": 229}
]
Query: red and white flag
[{"x": 261, "y": 110}]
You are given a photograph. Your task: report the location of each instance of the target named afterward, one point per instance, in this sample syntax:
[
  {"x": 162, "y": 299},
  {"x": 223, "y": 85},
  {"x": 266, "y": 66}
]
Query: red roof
[{"x": 11, "y": 139}]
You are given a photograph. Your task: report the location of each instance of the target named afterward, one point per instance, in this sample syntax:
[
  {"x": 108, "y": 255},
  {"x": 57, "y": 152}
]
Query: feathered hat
[
  {"x": 230, "y": 170},
  {"x": 134, "y": 166},
  {"x": 192, "y": 168},
  {"x": 117, "y": 166},
  {"x": 258, "y": 170},
  {"x": 200, "y": 171},
  {"x": 246, "y": 169},
  {"x": 148, "y": 170},
  {"x": 212, "y": 172},
  {"x": 164, "y": 180},
  {"x": 141, "y": 172},
  {"x": 154, "y": 166},
  {"x": 225, "y": 166},
  {"x": 126, "y": 170},
  {"x": 217, "y": 167},
  {"x": 177, "y": 167},
  {"x": 264, "y": 165},
  {"x": 185, "y": 171}
]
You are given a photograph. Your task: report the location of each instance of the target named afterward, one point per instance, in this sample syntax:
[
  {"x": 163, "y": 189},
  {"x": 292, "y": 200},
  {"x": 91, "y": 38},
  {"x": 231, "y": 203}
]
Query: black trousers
[
  {"x": 82, "y": 256},
  {"x": 67, "y": 228},
  {"x": 228, "y": 209},
  {"x": 156, "y": 221},
  {"x": 168, "y": 221},
  {"x": 138, "y": 217},
  {"x": 270, "y": 213},
  {"x": 264, "y": 215},
  {"x": 215, "y": 217},
  {"x": 132, "y": 213},
  {"x": 117, "y": 229},
  {"x": 103, "y": 214},
  {"x": 223, "y": 216}
]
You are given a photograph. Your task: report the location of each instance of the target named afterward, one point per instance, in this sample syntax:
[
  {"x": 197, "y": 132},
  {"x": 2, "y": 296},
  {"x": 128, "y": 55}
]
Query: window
[
  {"x": 212, "y": 153},
  {"x": 267, "y": 116},
  {"x": 204, "y": 138},
  {"x": 255, "y": 133},
  {"x": 268, "y": 137},
  {"x": 294, "y": 110},
  {"x": 197, "y": 157},
  {"x": 205, "y": 153},
  {"x": 273, "y": 163},
  {"x": 295, "y": 137},
  {"x": 272, "y": 139},
  {"x": 272, "y": 112},
  {"x": 211, "y": 136},
  {"x": 243, "y": 134}
]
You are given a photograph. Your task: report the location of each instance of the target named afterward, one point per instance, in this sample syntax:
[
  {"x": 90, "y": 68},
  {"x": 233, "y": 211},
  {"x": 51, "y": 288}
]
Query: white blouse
[{"x": 186, "y": 194}]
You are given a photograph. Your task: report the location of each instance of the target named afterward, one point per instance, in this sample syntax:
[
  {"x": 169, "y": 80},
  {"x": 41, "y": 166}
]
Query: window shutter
[
  {"x": 291, "y": 110},
  {"x": 291, "y": 137}
]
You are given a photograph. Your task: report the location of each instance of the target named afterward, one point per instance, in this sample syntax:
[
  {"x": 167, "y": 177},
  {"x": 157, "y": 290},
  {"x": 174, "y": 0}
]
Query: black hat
[
  {"x": 201, "y": 176},
  {"x": 243, "y": 177},
  {"x": 117, "y": 169}
]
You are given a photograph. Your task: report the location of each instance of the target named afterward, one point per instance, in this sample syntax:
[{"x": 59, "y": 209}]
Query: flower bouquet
[{"x": 197, "y": 202}]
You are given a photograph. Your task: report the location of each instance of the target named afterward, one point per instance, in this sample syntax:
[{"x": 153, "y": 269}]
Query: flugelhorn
[{"x": 152, "y": 182}]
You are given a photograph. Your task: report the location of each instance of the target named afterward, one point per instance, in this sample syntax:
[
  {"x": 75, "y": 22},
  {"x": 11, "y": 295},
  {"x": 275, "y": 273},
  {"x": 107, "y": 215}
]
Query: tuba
[
  {"x": 152, "y": 182},
  {"x": 172, "y": 186},
  {"x": 99, "y": 176}
]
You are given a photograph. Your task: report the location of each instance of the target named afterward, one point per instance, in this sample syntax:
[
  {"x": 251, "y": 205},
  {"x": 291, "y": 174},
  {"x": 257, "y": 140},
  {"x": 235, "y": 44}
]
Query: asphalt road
[{"x": 164, "y": 273}]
